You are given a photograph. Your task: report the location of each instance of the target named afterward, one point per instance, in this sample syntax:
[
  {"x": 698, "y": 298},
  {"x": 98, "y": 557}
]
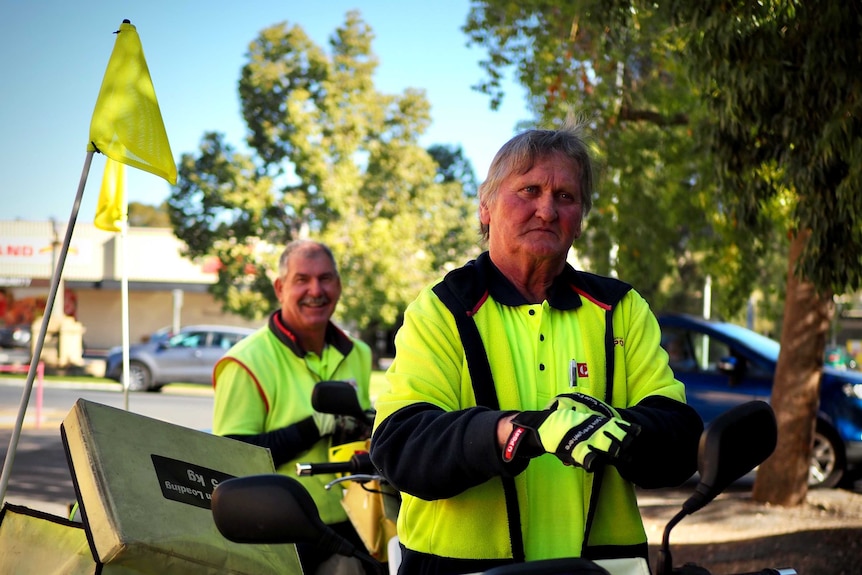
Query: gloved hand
[
  {"x": 349, "y": 429},
  {"x": 579, "y": 401},
  {"x": 579, "y": 429},
  {"x": 325, "y": 423}
]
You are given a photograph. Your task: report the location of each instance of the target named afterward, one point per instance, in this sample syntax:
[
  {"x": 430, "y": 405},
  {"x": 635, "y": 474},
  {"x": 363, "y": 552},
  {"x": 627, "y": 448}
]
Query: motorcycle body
[
  {"x": 733, "y": 445},
  {"x": 143, "y": 491},
  {"x": 371, "y": 504}
]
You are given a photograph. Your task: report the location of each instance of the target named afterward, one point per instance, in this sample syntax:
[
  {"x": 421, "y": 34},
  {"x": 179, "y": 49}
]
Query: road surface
[{"x": 40, "y": 477}]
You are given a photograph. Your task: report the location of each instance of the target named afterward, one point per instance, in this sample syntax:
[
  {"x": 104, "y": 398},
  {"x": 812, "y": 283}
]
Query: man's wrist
[
  {"x": 504, "y": 428},
  {"x": 308, "y": 432}
]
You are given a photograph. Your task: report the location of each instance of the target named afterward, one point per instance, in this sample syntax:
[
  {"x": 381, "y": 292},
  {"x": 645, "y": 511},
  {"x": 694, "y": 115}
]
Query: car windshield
[{"x": 767, "y": 346}]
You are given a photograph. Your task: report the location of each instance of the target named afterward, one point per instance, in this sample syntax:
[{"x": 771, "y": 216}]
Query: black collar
[
  {"x": 561, "y": 295},
  {"x": 334, "y": 336}
]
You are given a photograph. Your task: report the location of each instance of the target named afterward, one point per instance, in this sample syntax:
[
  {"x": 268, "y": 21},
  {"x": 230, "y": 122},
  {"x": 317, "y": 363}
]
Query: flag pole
[
  {"x": 43, "y": 330},
  {"x": 124, "y": 290}
]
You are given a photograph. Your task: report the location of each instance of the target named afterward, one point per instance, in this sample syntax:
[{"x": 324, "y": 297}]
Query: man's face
[
  {"x": 536, "y": 215},
  {"x": 309, "y": 292}
]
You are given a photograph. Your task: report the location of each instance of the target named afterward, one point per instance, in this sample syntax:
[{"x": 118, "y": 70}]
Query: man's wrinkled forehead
[
  {"x": 526, "y": 163},
  {"x": 303, "y": 260}
]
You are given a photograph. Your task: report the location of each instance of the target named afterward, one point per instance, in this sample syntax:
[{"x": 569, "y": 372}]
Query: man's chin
[
  {"x": 320, "y": 313},
  {"x": 545, "y": 250}
]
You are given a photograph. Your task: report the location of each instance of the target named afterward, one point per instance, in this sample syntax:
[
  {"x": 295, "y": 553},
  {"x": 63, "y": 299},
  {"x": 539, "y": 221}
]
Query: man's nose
[
  {"x": 546, "y": 207},
  {"x": 315, "y": 287}
]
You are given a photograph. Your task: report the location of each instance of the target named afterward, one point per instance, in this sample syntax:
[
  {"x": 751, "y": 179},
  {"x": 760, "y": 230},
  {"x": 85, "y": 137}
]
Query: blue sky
[{"x": 53, "y": 55}]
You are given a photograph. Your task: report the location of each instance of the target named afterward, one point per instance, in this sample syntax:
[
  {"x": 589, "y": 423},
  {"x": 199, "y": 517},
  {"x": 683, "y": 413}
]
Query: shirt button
[
  {"x": 532, "y": 312},
  {"x": 541, "y": 337},
  {"x": 541, "y": 367}
]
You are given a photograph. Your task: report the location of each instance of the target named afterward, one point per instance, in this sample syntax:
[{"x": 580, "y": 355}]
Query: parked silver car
[{"x": 187, "y": 357}]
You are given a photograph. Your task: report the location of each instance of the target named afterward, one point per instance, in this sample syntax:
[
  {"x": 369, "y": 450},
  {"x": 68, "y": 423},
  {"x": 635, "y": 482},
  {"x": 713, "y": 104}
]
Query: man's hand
[
  {"x": 579, "y": 429},
  {"x": 325, "y": 423},
  {"x": 349, "y": 429},
  {"x": 582, "y": 401}
]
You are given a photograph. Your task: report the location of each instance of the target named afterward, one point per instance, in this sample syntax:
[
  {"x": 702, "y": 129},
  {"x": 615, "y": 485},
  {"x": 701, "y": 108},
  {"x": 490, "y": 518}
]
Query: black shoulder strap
[
  {"x": 486, "y": 394},
  {"x": 474, "y": 349},
  {"x": 609, "y": 394}
]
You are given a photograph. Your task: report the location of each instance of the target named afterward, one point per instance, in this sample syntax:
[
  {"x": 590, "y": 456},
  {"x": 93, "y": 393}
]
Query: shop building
[{"x": 165, "y": 288}]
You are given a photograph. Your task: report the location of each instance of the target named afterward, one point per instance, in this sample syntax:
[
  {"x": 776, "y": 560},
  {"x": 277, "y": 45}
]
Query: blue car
[{"x": 723, "y": 364}]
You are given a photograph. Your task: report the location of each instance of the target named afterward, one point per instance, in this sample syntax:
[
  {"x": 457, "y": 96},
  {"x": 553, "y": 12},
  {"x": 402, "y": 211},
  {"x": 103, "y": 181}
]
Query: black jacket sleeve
[
  {"x": 286, "y": 442},
  {"x": 434, "y": 454},
  {"x": 664, "y": 454}
]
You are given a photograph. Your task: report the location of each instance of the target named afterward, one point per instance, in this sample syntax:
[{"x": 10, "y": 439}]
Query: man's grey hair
[
  {"x": 520, "y": 154},
  {"x": 309, "y": 247}
]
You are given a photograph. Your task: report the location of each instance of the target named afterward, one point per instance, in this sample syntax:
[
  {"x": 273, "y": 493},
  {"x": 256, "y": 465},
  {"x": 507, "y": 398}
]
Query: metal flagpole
[
  {"x": 43, "y": 330},
  {"x": 124, "y": 290}
]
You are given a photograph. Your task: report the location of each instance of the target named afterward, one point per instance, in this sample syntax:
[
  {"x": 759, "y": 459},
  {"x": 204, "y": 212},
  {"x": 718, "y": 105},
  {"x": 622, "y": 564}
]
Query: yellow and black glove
[{"x": 579, "y": 429}]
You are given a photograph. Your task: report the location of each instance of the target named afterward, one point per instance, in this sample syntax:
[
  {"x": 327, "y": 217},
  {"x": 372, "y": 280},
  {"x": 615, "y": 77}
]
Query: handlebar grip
[
  {"x": 358, "y": 463},
  {"x": 303, "y": 469},
  {"x": 773, "y": 571}
]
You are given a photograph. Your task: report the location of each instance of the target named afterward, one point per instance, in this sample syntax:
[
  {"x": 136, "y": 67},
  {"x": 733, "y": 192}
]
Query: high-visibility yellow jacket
[
  {"x": 464, "y": 509},
  {"x": 263, "y": 387}
]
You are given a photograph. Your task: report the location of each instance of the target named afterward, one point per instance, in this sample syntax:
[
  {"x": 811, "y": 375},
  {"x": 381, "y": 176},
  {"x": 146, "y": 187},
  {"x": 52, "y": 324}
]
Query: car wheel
[
  {"x": 828, "y": 461},
  {"x": 140, "y": 378}
]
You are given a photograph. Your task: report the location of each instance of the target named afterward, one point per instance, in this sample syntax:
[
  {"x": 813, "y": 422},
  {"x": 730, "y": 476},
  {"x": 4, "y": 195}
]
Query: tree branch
[{"x": 628, "y": 114}]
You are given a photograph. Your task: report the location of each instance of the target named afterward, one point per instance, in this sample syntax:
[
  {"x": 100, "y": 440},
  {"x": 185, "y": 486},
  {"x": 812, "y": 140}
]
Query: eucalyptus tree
[
  {"x": 781, "y": 80},
  {"x": 329, "y": 157},
  {"x": 653, "y": 223}
]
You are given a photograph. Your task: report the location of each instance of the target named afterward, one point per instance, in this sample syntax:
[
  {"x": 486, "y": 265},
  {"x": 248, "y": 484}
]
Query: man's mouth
[{"x": 544, "y": 230}]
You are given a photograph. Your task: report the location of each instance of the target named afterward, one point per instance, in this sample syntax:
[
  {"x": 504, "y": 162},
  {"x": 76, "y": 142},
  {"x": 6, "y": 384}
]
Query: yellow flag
[
  {"x": 112, "y": 197},
  {"x": 127, "y": 124}
]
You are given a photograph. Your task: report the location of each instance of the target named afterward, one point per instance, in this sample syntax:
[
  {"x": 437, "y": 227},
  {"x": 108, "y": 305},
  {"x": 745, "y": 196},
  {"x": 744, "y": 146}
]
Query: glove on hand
[
  {"x": 579, "y": 429},
  {"x": 349, "y": 429},
  {"x": 325, "y": 423},
  {"x": 580, "y": 401}
]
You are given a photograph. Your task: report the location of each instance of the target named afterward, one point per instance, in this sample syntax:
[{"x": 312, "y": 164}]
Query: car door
[
  {"x": 215, "y": 346},
  {"x": 718, "y": 372},
  {"x": 180, "y": 359}
]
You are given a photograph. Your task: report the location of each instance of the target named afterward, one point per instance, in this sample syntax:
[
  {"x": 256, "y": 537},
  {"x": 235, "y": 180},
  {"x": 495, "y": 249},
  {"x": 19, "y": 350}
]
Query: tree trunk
[{"x": 783, "y": 478}]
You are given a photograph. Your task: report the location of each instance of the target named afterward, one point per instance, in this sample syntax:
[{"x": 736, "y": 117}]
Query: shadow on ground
[
  {"x": 40, "y": 476},
  {"x": 815, "y": 552}
]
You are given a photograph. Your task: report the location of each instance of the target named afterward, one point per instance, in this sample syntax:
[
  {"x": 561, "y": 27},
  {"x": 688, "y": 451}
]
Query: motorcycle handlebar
[{"x": 693, "y": 569}]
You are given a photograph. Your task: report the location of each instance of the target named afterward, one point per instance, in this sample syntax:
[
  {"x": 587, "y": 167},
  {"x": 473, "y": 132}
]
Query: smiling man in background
[{"x": 263, "y": 384}]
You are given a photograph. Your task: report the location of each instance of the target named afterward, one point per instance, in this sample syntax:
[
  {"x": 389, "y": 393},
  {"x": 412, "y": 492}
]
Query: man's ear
[{"x": 484, "y": 214}]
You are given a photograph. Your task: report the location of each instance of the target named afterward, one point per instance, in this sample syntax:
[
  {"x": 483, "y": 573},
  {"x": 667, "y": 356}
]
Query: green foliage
[
  {"x": 782, "y": 81},
  {"x": 618, "y": 64},
  {"x": 147, "y": 216},
  {"x": 453, "y": 166},
  {"x": 331, "y": 159}
]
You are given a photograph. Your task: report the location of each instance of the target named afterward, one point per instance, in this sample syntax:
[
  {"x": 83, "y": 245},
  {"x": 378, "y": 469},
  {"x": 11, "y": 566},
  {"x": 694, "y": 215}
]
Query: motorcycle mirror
[
  {"x": 735, "y": 442},
  {"x": 272, "y": 508},
  {"x": 337, "y": 398},
  {"x": 253, "y": 510}
]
